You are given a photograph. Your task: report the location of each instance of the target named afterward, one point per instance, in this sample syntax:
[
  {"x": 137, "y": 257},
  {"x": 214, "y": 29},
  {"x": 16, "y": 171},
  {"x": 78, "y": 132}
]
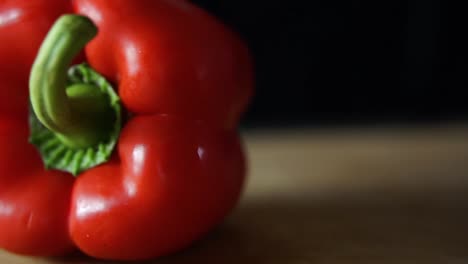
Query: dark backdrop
[{"x": 349, "y": 61}]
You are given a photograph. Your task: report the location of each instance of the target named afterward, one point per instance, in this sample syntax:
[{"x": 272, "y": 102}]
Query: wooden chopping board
[{"x": 343, "y": 195}]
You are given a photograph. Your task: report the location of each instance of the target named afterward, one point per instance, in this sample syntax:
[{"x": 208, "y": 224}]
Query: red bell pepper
[{"x": 183, "y": 81}]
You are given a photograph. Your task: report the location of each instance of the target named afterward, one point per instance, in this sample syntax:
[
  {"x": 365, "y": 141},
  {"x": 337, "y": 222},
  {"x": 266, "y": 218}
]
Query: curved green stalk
[{"x": 48, "y": 92}]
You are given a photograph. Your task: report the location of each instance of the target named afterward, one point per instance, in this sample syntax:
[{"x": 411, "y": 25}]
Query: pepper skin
[{"x": 178, "y": 168}]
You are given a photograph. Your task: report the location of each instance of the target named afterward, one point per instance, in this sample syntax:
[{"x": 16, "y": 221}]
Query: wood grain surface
[{"x": 343, "y": 195}]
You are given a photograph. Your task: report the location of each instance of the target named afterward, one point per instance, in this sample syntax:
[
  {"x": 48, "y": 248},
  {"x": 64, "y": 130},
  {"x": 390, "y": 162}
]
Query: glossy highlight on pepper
[{"x": 178, "y": 166}]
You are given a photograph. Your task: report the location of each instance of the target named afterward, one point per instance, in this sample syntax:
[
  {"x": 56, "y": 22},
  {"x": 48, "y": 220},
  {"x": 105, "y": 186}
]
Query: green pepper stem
[{"x": 74, "y": 113}]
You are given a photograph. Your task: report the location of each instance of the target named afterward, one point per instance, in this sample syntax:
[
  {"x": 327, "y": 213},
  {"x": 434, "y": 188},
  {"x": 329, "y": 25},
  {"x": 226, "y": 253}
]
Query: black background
[{"x": 348, "y": 61}]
